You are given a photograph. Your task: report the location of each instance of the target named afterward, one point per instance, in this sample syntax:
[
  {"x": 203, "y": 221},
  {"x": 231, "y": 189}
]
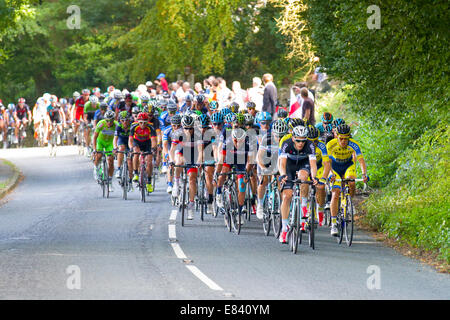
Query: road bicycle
[
  {"x": 53, "y": 141},
  {"x": 271, "y": 208},
  {"x": 345, "y": 216},
  {"x": 183, "y": 194},
  {"x": 232, "y": 216},
  {"x": 202, "y": 198},
  {"x": 294, "y": 234},
  {"x": 143, "y": 177},
  {"x": 103, "y": 173},
  {"x": 124, "y": 179}
]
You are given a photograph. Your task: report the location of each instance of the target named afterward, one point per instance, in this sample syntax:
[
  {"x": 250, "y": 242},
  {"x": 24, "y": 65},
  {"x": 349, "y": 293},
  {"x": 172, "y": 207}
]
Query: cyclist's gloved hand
[{"x": 366, "y": 178}]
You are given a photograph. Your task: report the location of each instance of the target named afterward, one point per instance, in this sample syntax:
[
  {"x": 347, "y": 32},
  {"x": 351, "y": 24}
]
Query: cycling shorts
[
  {"x": 291, "y": 172},
  {"x": 343, "y": 171},
  {"x": 104, "y": 145},
  {"x": 122, "y": 141},
  {"x": 79, "y": 113},
  {"x": 144, "y": 146}
]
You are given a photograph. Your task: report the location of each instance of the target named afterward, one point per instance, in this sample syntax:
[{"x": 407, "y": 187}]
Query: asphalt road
[{"x": 59, "y": 239}]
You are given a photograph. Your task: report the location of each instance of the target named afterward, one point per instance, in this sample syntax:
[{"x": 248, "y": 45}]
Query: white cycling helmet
[
  {"x": 109, "y": 115},
  {"x": 300, "y": 131},
  {"x": 93, "y": 99}
]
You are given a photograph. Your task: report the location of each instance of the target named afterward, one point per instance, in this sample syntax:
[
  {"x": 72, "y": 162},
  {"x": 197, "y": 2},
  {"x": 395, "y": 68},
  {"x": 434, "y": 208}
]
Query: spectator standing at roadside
[
  {"x": 162, "y": 79},
  {"x": 255, "y": 94},
  {"x": 307, "y": 107},
  {"x": 270, "y": 95},
  {"x": 238, "y": 95}
]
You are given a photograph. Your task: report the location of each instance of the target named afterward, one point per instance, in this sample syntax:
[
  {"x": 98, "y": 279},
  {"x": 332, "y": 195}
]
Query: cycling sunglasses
[{"x": 299, "y": 140}]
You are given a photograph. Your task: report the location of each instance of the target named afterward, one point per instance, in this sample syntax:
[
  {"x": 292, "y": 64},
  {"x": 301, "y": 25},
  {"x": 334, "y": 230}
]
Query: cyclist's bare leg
[
  {"x": 110, "y": 166},
  {"x": 192, "y": 185},
  {"x": 286, "y": 197}
]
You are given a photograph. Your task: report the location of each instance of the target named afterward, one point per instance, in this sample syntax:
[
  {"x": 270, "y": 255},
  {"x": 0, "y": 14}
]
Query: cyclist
[
  {"x": 236, "y": 152},
  {"x": 327, "y": 118},
  {"x": 167, "y": 142},
  {"x": 90, "y": 108},
  {"x": 206, "y": 152},
  {"x": 340, "y": 153},
  {"x": 184, "y": 151},
  {"x": 120, "y": 142},
  {"x": 40, "y": 115},
  {"x": 100, "y": 113},
  {"x": 213, "y": 107},
  {"x": 267, "y": 160},
  {"x": 79, "y": 109},
  {"x": 187, "y": 105},
  {"x": 103, "y": 141},
  {"x": 10, "y": 119},
  {"x": 126, "y": 105},
  {"x": 143, "y": 139},
  {"x": 298, "y": 160},
  {"x": 22, "y": 115},
  {"x": 3, "y": 125},
  {"x": 200, "y": 103},
  {"x": 56, "y": 116}
]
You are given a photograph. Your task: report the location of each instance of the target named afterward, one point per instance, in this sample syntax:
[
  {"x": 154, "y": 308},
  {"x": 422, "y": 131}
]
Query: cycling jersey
[
  {"x": 54, "y": 114},
  {"x": 142, "y": 134},
  {"x": 237, "y": 156},
  {"x": 90, "y": 110},
  {"x": 105, "y": 135},
  {"x": 22, "y": 112},
  {"x": 122, "y": 106},
  {"x": 79, "y": 107},
  {"x": 122, "y": 135},
  {"x": 187, "y": 145},
  {"x": 337, "y": 154},
  {"x": 271, "y": 151}
]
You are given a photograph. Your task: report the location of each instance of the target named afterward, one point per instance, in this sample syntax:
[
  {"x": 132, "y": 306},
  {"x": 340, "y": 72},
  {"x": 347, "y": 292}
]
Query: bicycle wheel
[
  {"x": 340, "y": 224},
  {"x": 226, "y": 210},
  {"x": 235, "y": 215},
  {"x": 276, "y": 213},
  {"x": 348, "y": 217},
  {"x": 183, "y": 199},
  {"x": 312, "y": 221},
  {"x": 142, "y": 183},
  {"x": 125, "y": 180},
  {"x": 297, "y": 230},
  {"x": 105, "y": 176},
  {"x": 267, "y": 213},
  {"x": 327, "y": 217},
  {"x": 248, "y": 201},
  {"x": 202, "y": 198}
]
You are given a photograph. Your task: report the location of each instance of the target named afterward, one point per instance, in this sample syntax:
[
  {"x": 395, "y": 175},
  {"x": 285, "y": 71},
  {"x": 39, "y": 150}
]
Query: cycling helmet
[
  {"x": 188, "y": 97},
  {"x": 343, "y": 130},
  {"x": 250, "y": 105},
  {"x": 123, "y": 115},
  {"x": 249, "y": 119},
  {"x": 204, "y": 121},
  {"x": 294, "y": 122},
  {"x": 93, "y": 99},
  {"x": 327, "y": 117},
  {"x": 217, "y": 117},
  {"x": 109, "y": 115},
  {"x": 62, "y": 100},
  {"x": 337, "y": 122},
  {"x": 21, "y": 100},
  {"x": 53, "y": 98},
  {"x": 135, "y": 110},
  {"x": 230, "y": 118},
  {"x": 213, "y": 105},
  {"x": 142, "y": 116},
  {"x": 313, "y": 133},
  {"x": 11, "y": 106},
  {"x": 172, "y": 107},
  {"x": 240, "y": 119},
  {"x": 200, "y": 98},
  {"x": 76, "y": 95},
  {"x": 187, "y": 121},
  {"x": 282, "y": 113},
  {"x": 225, "y": 111},
  {"x": 176, "y": 119},
  {"x": 103, "y": 106},
  {"x": 300, "y": 131},
  {"x": 328, "y": 127},
  {"x": 234, "y": 107},
  {"x": 280, "y": 127},
  {"x": 145, "y": 97},
  {"x": 85, "y": 91},
  {"x": 238, "y": 134},
  {"x": 161, "y": 103},
  {"x": 264, "y": 116},
  {"x": 118, "y": 94}
]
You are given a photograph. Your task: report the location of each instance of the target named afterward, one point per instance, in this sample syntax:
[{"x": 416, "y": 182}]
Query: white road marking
[
  {"x": 172, "y": 232},
  {"x": 211, "y": 284},
  {"x": 179, "y": 253}
]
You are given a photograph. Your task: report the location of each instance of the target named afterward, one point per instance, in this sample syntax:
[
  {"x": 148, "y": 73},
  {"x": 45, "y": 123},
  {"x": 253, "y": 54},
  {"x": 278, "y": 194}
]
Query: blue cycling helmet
[
  {"x": 230, "y": 118},
  {"x": 225, "y": 111},
  {"x": 217, "y": 117},
  {"x": 204, "y": 120},
  {"x": 264, "y": 116},
  {"x": 327, "y": 117},
  {"x": 213, "y": 105},
  {"x": 337, "y": 122}
]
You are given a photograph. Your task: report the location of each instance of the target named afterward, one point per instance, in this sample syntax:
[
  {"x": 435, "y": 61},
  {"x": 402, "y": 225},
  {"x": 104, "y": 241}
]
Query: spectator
[
  {"x": 207, "y": 86},
  {"x": 238, "y": 95},
  {"x": 255, "y": 94},
  {"x": 224, "y": 93},
  {"x": 149, "y": 86},
  {"x": 162, "y": 78},
  {"x": 270, "y": 95},
  {"x": 307, "y": 107},
  {"x": 198, "y": 88}
]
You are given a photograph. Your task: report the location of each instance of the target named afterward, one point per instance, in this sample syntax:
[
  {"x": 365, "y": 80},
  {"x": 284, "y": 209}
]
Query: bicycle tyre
[
  {"x": 297, "y": 229},
  {"x": 266, "y": 214},
  {"x": 183, "y": 198},
  {"x": 125, "y": 180},
  {"x": 349, "y": 216},
  {"x": 248, "y": 201},
  {"x": 312, "y": 221},
  {"x": 276, "y": 213}
]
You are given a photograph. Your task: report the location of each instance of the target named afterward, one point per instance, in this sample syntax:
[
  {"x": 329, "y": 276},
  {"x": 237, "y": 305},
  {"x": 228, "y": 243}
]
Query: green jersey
[
  {"x": 89, "y": 107},
  {"x": 105, "y": 133}
]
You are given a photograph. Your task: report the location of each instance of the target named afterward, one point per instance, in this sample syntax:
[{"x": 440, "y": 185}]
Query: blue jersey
[{"x": 167, "y": 135}]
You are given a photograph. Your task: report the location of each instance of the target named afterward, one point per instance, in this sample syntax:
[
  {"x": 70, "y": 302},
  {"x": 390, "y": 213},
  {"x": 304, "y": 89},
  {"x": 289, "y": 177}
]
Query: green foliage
[{"x": 415, "y": 206}]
